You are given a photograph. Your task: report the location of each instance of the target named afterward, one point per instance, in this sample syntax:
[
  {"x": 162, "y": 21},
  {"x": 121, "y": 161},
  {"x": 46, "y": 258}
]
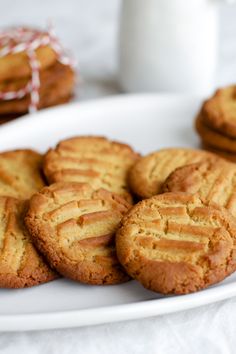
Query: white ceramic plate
[{"x": 147, "y": 122}]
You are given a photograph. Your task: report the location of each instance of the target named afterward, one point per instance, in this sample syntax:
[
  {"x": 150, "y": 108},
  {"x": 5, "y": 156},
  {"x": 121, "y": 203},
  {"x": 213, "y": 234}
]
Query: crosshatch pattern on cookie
[
  {"x": 173, "y": 243},
  {"x": 20, "y": 173},
  {"x": 20, "y": 264},
  {"x": 94, "y": 160},
  {"x": 74, "y": 226},
  {"x": 148, "y": 174},
  {"x": 215, "y": 183}
]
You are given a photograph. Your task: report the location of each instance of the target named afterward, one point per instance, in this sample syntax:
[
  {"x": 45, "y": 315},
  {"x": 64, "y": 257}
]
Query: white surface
[
  {"x": 89, "y": 29},
  {"x": 168, "y": 48},
  {"x": 64, "y": 303}
]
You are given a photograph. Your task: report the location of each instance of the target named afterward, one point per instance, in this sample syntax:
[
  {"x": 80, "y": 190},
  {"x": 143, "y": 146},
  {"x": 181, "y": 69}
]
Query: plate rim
[{"x": 114, "y": 313}]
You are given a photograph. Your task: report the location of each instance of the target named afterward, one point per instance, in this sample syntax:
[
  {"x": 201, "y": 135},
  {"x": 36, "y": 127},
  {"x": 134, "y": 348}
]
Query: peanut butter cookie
[
  {"x": 16, "y": 64},
  {"x": 174, "y": 243},
  {"x": 94, "y": 160},
  {"x": 149, "y": 173},
  {"x": 214, "y": 183},
  {"x": 20, "y": 264},
  {"x": 219, "y": 111},
  {"x": 74, "y": 226},
  {"x": 226, "y": 155},
  {"x": 56, "y": 87},
  {"x": 214, "y": 139},
  {"x": 20, "y": 173}
]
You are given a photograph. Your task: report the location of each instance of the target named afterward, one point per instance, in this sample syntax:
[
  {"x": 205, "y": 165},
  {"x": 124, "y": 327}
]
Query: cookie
[
  {"x": 94, "y": 160},
  {"x": 226, "y": 155},
  {"x": 213, "y": 182},
  {"x": 20, "y": 264},
  {"x": 16, "y": 65},
  {"x": 213, "y": 138},
  {"x": 149, "y": 173},
  {"x": 57, "y": 84},
  {"x": 174, "y": 243},
  {"x": 220, "y": 111},
  {"x": 20, "y": 173},
  {"x": 7, "y": 118},
  {"x": 74, "y": 226}
]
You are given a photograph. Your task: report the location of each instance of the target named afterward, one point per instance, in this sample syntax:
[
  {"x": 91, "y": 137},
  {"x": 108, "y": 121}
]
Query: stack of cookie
[
  {"x": 179, "y": 238},
  {"x": 34, "y": 72},
  {"x": 216, "y": 123}
]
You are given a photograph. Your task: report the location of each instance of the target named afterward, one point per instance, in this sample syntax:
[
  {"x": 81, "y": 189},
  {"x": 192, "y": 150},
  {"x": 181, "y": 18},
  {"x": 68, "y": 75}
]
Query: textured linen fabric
[{"x": 89, "y": 30}]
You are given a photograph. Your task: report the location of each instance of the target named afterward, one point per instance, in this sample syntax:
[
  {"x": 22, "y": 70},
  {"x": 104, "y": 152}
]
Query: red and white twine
[{"x": 21, "y": 39}]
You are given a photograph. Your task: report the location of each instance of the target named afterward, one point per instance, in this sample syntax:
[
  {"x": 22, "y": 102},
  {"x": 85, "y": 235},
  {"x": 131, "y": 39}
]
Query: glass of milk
[{"x": 168, "y": 45}]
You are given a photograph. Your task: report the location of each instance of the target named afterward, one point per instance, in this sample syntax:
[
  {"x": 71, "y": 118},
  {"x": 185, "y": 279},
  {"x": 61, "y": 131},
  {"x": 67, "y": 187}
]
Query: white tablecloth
[{"x": 89, "y": 29}]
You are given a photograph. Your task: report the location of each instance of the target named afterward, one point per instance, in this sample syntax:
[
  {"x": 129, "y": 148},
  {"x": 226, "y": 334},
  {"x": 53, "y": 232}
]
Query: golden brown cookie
[
  {"x": 148, "y": 174},
  {"x": 74, "y": 226},
  {"x": 95, "y": 160},
  {"x": 20, "y": 264},
  {"x": 20, "y": 173},
  {"x": 219, "y": 111},
  {"x": 7, "y": 118},
  {"x": 13, "y": 66},
  {"x": 56, "y": 87},
  {"x": 213, "y": 138},
  {"x": 213, "y": 182},
  {"x": 226, "y": 155},
  {"x": 174, "y": 243}
]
